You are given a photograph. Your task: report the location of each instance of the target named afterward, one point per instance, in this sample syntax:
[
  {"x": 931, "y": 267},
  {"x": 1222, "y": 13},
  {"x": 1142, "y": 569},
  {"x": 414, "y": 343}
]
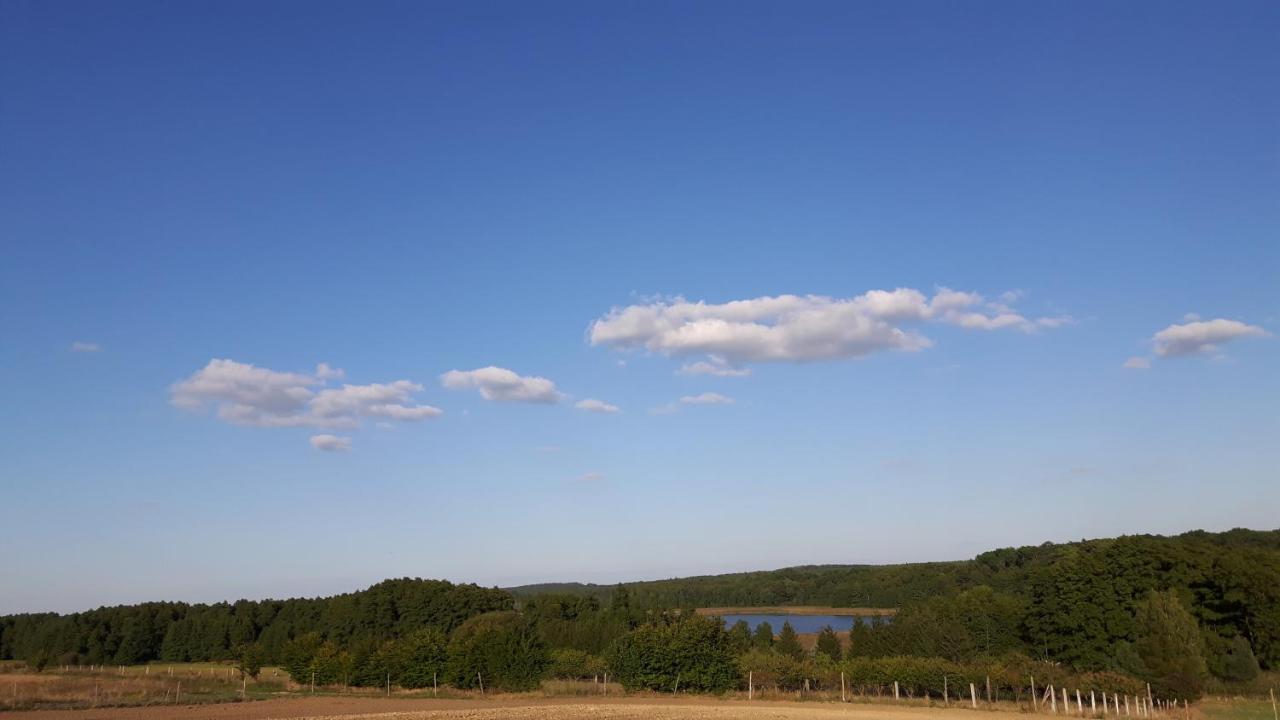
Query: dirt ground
[{"x": 335, "y": 708}]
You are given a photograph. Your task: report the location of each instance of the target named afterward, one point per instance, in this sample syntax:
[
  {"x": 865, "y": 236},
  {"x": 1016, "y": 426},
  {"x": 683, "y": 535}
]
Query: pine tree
[
  {"x": 739, "y": 637},
  {"x": 788, "y": 644},
  {"x": 829, "y": 644},
  {"x": 764, "y": 636}
]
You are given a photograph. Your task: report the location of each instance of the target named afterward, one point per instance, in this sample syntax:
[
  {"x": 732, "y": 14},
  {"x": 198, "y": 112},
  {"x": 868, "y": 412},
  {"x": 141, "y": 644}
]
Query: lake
[{"x": 801, "y": 623}]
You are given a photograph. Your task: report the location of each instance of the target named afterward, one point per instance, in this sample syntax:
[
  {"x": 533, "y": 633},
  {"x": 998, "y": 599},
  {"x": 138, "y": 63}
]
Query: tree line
[{"x": 1179, "y": 612}]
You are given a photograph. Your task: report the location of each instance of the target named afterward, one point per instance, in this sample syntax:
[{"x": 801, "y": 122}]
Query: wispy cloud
[
  {"x": 596, "y": 406},
  {"x": 1137, "y": 363},
  {"x": 80, "y": 346},
  {"x": 706, "y": 398},
  {"x": 714, "y": 365},
  {"x": 503, "y": 385},
  {"x": 331, "y": 443}
]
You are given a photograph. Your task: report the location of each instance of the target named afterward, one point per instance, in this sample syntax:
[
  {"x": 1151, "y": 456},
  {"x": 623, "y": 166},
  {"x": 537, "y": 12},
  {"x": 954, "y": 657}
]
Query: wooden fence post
[
  {"x": 842, "y": 686},
  {"x": 895, "y": 689},
  {"x": 751, "y": 683},
  {"x": 973, "y": 696},
  {"x": 481, "y": 679}
]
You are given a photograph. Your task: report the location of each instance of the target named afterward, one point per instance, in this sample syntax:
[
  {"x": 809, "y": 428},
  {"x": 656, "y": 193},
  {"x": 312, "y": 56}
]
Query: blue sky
[{"x": 1044, "y": 192}]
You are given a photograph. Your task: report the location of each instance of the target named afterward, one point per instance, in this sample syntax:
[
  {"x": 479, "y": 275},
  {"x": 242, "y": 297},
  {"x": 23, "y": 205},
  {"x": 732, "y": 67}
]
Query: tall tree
[
  {"x": 763, "y": 639},
  {"x": 788, "y": 644},
  {"x": 829, "y": 644},
  {"x": 1170, "y": 646}
]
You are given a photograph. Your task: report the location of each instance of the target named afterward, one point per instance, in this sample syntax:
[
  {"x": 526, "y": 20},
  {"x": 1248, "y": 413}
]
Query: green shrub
[
  {"x": 502, "y": 650},
  {"x": 570, "y": 664},
  {"x": 691, "y": 653}
]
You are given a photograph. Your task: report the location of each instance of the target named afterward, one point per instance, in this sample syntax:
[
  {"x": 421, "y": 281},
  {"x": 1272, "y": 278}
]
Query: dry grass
[
  {"x": 797, "y": 610},
  {"x": 131, "y": 686}
]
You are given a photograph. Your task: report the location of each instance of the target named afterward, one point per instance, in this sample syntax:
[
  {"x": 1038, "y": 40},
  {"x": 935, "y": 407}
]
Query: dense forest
[{"x": 1176, "y": 611}]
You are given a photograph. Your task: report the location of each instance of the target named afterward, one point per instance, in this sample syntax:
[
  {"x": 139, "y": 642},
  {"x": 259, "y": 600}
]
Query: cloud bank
[
  {"x": 503, "y": 385},
  {"x": 793, "y": 328}
]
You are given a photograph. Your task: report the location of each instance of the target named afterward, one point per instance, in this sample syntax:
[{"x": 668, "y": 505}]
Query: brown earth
[{"x": 524, "y": 708}]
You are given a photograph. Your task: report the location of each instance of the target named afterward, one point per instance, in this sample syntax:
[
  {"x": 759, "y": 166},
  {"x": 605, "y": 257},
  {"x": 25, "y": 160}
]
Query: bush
[
  {"x": 502, "y": 649},
  {"x": 692, "y": 652},
  {"x": 418, "y": 660},
  {"x": 1239, "y": 665},
  {"x": 569, "y": 664}
]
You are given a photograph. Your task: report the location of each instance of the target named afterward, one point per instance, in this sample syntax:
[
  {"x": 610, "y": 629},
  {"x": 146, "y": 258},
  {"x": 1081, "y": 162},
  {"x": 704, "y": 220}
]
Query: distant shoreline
[{"x": 797, "y": 610}]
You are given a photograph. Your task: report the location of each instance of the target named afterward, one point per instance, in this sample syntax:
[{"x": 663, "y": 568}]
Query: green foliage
[
  {"x": 309, "y": 659},
  {"x": 249, "y": 660},
  {"x": 776, "y": 669},
  {"x": 1239, "y": 664},
  {"x": 419, "y": 660},
  {"x": 788, "y": 644},
  {"x": 739, "y": 637},
  {"x": 763, "y": 639},
  {"x": 39, "y": 661},
  {"x": 692, "y": 652},
  {"x": 502, "y": 650},
  {"x": 179, "y": 632},
  {"x": 829, "y": 644},
  {"x": 1171, "y": 647},
  {"x": 568, "y": 664}
]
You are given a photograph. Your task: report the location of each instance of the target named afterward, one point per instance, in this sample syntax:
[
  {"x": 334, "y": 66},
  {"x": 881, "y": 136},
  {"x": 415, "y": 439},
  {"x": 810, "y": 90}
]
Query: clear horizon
[{"x": 296, "y": 299}]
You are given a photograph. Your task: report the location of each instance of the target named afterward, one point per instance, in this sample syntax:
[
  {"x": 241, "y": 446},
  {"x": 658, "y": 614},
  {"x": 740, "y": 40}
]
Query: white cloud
[
  {"x": 243, "y": 394},
  {"x": 793, "y": 328},
  {"x": 1199, "y": 337},
  {"x": 331, "y": 443},
  {"x": 503, "y": 385},
  {"x": 81, "y": 346},
  {"x": 706, "y": 398},
  {"x": 596, "y": 406},
  {"x": 1137, "y": 363},
  {"x": 591, "y": 477},
  {"x": 376, "y": 400},
  {"x": 714, "y": 365}
]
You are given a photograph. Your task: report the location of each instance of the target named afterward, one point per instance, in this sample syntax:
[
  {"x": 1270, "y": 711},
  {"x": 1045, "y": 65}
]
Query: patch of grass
[{"x": 1237, "y": 709}]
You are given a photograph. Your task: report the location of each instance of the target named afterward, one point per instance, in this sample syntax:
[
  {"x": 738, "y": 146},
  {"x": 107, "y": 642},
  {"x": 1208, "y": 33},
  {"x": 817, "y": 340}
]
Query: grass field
[{"x": 1238, "y": 709}]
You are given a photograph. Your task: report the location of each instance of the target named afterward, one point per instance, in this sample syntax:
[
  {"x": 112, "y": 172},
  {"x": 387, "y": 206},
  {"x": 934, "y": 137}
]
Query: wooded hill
[{"x": 1088, "y": 605}]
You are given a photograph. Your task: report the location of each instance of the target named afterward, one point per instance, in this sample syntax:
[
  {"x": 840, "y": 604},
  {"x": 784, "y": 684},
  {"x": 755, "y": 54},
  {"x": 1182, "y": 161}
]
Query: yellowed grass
[{"x": 797, "y": 610}]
